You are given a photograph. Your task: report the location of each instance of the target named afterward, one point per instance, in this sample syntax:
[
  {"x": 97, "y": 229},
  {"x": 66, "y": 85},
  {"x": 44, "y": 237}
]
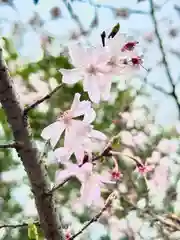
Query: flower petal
[
  {"x": 89, "y": 116},
  {"x": 90, "y": 84},
  {"x": 78, "y": 107},
  {"x": 78, "y": 54},
  {"x": 106, "y": 90},
  {"x": 98, "y": 135},
  {"x": 62, "y": 154},
  {"x": 79, "y": 153},
  {"x": 71, "y": 76},
  {"x": 90, "y": 192},
  {"x": 62, "y": 175},
  {"x": 53, "y": 132}
]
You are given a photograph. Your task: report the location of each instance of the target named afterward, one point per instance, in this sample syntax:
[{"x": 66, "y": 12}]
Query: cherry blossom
[
  {"x": 91, "y": 67},
  {"x": 116, "y": 174},
  {"x": 91, "y": 182},
  {"x": 125, "y": 59},
  {"x": 86, "y": 143},
  {"x": 67, "y": 122},
  {"x": 144, "y": 168}
]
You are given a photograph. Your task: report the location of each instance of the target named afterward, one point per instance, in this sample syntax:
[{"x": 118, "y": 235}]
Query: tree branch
[
  {"x": 164, "y": 59},
  {"x": 35, "y": 104},
  {"x": 74, "y": 17},
  {"x": 94, "y": 219},
  {"x": 97, "y": 216},
  {"x": 11, "y": 145},
  {"x": 17, "y": 225},
  {"x": 162, "y": 219},
  {"x": 58, "y": 186},
  {"x": 28, "y": 153}
]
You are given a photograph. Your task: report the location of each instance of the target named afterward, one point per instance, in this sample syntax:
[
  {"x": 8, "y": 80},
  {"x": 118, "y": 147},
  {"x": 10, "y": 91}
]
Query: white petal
[
  {"x": 78, "y": 107},
  {"x": 53, "y": 132},
  {"x": 87, "y": 168},
  {"x": 80, "y": 129},
  {"x": 76, "y": 101},
  {"x": 78, "y": 54},
  {"x": 75, "y": 134},
  {"x": 62, "y": 175},
  {"x": 98, "y": 135},
  {"x": 62, "y": 154},
  {"x": 71, "y": 76},
  {"x": 90, "y": 191},
  {"x": 90, "y": 84},
  {"x": 106, "y": 90},
  {"x": 90, "y": 116},
  {"x": 79, "y": 153}
]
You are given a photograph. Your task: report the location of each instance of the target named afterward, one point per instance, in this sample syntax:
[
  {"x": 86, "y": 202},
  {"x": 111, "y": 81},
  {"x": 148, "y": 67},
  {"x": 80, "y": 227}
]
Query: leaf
[
  {"x": 114, "y": 31},
  {"x": 32, "y": 231}
]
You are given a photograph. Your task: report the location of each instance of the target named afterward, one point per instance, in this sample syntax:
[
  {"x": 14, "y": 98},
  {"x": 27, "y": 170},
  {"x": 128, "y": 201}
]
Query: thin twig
[
  {"x": 162, "y": 219},
  {"x": 94, "y": 219},
  {"x": 164, "y": 59},
  {"x": 17, "y": 225},
  {"x": 58, "y": 186},
  {"x": 46, "y": 97},
  {"x": 108, "y": 202},
  {"x": 11, "y": 145},
  {"x": 74, "y": 16}
]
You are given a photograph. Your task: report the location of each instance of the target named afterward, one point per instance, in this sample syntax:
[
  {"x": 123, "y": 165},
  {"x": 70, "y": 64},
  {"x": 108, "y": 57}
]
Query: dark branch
[
  {"x": 74, "y": 16},
  {"x": 35, "y": 104},
  {"x": 97, "y": 216},
  {"x": 164, "y": 59},
  {"x": 58, "y": 186},
  {"x": 21, "y": 225},
  {"x": 11, "y": 145}
]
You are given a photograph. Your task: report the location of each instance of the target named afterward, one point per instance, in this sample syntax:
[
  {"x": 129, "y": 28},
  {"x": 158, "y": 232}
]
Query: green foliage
[{"x": 32, "y": 232}]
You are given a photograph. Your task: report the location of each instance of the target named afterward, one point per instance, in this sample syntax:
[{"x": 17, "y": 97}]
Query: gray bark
[{"x": 28, "y": 153}]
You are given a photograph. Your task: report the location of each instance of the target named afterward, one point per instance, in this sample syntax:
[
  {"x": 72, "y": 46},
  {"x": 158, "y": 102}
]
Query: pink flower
[
  {"x": 67, "y": 236},
  {"x": 91, "y": 68},
  {"x": 67, "y": 122},
  {"x": 86, "y": 143},
  {"x": 124, "y": 59},
  {"x": 91, "y": 182},
  {"x": 116, "y": 175},
  {"x": 144, "y": 168}
]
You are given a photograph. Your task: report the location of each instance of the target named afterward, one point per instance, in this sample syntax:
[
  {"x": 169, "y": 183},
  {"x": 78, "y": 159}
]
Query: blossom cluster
[{"x": 95, "y": 67}]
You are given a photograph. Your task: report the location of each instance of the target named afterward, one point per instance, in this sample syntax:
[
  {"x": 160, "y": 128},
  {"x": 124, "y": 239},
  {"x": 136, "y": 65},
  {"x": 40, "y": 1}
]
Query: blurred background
[{"x": 145, "y": 109}]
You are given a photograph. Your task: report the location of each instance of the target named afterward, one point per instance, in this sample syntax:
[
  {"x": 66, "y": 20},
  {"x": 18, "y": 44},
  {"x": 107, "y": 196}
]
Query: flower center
[
  {"x": 142, "y": 169},
  {"x": 115, "y": 175},
  {"x": 92, "y": 70},
  {"x": 66, "y": 116},
  {"x": 112, "y": 62}
]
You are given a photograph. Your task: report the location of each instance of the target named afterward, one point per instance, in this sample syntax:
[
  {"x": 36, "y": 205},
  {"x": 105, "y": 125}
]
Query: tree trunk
[{"x": 28, "y": 153}]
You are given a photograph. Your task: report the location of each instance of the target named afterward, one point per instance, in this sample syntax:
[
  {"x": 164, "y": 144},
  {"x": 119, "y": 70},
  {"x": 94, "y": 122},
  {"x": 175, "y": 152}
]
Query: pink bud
[
  {"x": 67, "y": 236},
  {"x": 136, "y": 60},
  {"x": 115, "y": 175},
  {"x": 129, "y": 46}
]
